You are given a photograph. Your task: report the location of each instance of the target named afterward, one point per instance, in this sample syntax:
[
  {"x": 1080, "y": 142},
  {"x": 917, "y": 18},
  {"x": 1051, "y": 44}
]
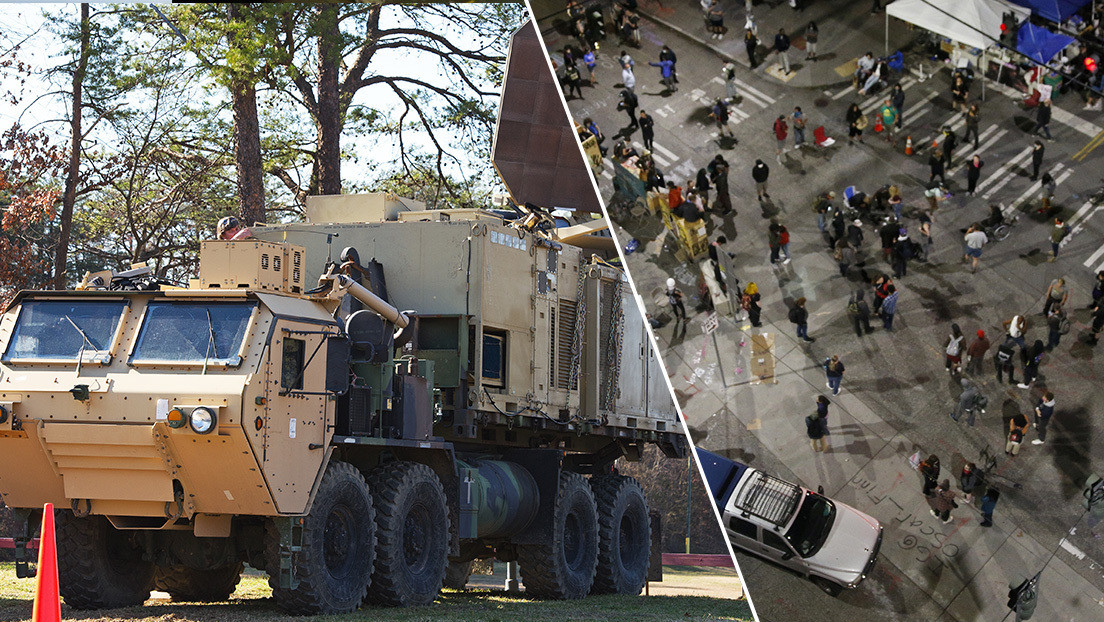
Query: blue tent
[
  {"x": 1054, "y": 10},
  {"x": 1040, "y": 44}
]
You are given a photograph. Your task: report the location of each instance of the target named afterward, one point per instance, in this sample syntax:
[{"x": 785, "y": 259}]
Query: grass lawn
[{"x": 252, "y": 601}]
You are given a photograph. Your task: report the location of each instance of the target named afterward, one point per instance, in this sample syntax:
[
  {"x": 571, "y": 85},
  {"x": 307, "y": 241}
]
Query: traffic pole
[{"x": 47, "y": 600}]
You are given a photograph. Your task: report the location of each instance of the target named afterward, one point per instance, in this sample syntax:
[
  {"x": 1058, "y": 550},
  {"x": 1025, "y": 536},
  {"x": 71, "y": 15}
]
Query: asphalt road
[{"x": 896, "y": 394}]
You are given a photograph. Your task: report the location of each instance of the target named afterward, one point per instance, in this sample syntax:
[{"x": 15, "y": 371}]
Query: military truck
[{"x": 282, "y": 411}]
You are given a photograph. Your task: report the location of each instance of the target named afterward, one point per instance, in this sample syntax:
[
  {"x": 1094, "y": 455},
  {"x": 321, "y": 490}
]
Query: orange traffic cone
[
  {"x": 908, "y": 146},
  {"x": 935, "y": 144},
  {"x": 47, "y": 601},
  {"x": 878, "y": 123}
]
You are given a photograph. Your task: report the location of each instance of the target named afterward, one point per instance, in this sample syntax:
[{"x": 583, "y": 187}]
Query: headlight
[{"x": 203, "y": 420}]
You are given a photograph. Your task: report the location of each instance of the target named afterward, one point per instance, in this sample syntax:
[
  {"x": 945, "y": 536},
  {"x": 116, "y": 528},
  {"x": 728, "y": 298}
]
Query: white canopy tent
[{"x": 973, "y": 22}]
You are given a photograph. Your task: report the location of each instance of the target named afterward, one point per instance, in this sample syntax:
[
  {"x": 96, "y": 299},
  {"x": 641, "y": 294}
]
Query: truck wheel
[
  {"x": 100, "y": 567},
  {"x": 624, "y": 535},
  {"x": 192, "y": 585},
  {"x": 457, "y": 574},
  {"x": 565, "y": 567},
  {"x": 412, "y": 527},
  {"x": 828, "y": 587},
  {"x": 334, "y": 563}
]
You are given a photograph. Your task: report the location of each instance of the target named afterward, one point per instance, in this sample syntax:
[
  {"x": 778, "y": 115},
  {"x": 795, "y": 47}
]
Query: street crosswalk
[{"x": 749, "y": 93}]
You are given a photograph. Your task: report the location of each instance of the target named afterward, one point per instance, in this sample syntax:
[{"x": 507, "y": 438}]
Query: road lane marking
[
  {"x": 1089, "y": 147},
  {"x": 1092, "y": 259},
  {"x": 1001, "y": 176},
  {"x": 1036, "y": 185},
  {"x": 844, "y": 92},
  {"x": 986, "y": 142},
  {"x": 761, "y": 94},
  {"x": 667, "y": 153}
]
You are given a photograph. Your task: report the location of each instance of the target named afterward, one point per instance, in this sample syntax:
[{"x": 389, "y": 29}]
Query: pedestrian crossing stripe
[
  {"x": 655, "y": 156},
  {"x": 1001, "y": 176},
  {"x": 1056, "y": 114},
  {"x": 1059, "y": 177},
  {"x": 666, "y": 152},
  {"x": 751, "y": 89},
  {"x": 986, "y": 140},
  {"x": 1092, "y": 259},
  {"x": 873, "y": 103},
  {"x": 747, "y": 94}
]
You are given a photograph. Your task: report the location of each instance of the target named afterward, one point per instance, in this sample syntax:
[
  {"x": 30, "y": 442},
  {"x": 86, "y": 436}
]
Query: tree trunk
[
  {"x": 247, "y": 139},
  {"x": 329, "y": 122},
  {"x": 69, "y": 199}
]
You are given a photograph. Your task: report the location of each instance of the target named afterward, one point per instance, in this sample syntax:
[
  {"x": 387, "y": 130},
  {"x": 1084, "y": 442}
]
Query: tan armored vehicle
[{"x": 351, "y": 449}]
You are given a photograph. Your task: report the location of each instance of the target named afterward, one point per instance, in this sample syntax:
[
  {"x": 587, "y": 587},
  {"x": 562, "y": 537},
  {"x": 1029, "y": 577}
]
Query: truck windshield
[
  {"x": 812, "y": 524},
  {"x": 65, "y": 330},
  {"x": 180, "y": 332}
]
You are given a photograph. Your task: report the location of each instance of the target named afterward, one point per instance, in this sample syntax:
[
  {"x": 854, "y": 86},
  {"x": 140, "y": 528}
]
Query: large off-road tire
[
  {"x": 457, "y": 574},
  {"x": 334, "y": 565},
  {"x": 100, "y": 567},
  {"x": 412, "y": 529},
  {"x": 186, "y": 584},
  {"x": 624, "y": 535},
  {"x": 565, "y": 566}
]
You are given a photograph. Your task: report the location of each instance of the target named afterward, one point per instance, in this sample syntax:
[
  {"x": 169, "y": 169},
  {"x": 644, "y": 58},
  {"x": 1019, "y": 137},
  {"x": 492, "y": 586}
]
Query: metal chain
[{"x": 580, "y": 314}]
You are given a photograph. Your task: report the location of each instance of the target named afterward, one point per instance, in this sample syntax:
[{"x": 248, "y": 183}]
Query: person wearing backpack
[
  {"x": 975, "y": 353},
  {"x": 1044, "y": 410},
  {"x": 1058, "y": 324},
  {"x": 781, "y": 130},
  {"x": 1057, "y": 294},
  {"x": 1017, "y": 428},
  {"x": 1002, "y": 360},
  {"x": 800, "y": 315},
  {"x": 968, "y": 480},
  {"x": 1031, "y": 365},
  {"x": 967, "y": 402},
  {"x": 953, "y": 350},
  {"x": 859, "y": 312}
]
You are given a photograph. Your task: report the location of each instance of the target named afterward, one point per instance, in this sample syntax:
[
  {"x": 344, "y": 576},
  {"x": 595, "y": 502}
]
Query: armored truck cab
[{"x": 354, "y": 451}]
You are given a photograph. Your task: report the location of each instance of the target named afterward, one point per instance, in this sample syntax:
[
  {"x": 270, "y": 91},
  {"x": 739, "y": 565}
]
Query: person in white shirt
[{"x": 975, "y": 238}]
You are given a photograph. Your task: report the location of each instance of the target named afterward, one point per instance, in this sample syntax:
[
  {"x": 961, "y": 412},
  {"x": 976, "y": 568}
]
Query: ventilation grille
[{"x": 565, "y": 330}]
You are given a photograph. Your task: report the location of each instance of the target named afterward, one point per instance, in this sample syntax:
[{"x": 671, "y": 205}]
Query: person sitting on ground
[
  {"x": 876, "y": 77},
  {"x": 866, "y": 65},
  {"x": 230, "y": 229}
]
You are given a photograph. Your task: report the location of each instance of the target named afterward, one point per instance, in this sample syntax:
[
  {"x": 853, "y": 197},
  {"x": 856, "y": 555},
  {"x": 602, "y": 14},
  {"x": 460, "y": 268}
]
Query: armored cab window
[
  {"x": 193, "y": 333},
  {"x": 65, "y": 330},
  {"x": 291, "y": 369}
]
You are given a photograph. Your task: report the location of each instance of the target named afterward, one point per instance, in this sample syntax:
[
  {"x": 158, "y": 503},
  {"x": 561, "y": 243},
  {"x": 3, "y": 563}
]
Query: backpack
[
  {"x": 981, "y": 402},
  {"x": 784, "y": 237},
  {"x": 954, "y": 346},
  {"x": 794, "y": 315},
  {"x": 906, "y": 249},
  {"x": 1004, "y": 353},
  {"x": 1064, "y": 326},
  {"x": 853, "y": 308}
]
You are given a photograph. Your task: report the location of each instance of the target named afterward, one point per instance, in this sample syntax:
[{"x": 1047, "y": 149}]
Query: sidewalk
[{"x": 844, "y": 36}]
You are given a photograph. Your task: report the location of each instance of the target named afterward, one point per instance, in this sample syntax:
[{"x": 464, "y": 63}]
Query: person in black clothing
[
  {"x": 718, "y": 174},
  {"x": 854, "y": 114},
  {"x": 935, "y": 163},
  {"x": 714, "y": 254},
  {"x": 760, "y": 172},
  {"x": 702, "y": 185},
  {"x": 897, "y": 98},
  {"x": 751, "y": 42},
  {"x": 667, "y": 54},
  {"x": 1002, "y": 361},
  {"x": 628, "y": 103},
  {"x": 902, "y": 252},
  {"x": 973, "y": 173},
  {"x": 571, "y": 79},
  {"x": 859, "y": 312},
  {"x": 647, "y": 130},
  {"x": 800, "y": 315},
  {"x": 750, "y": 301},
  {"x": 839, "y": 228},
  {"x": 888, "y": 234},
  {"x": 1042, "y": 120},
  {"x": 782, "y": 46},
  {"x": 1037, "y": 159},
  {"x": 855, "y": 234},
  {"x": 949, "y": 144}
]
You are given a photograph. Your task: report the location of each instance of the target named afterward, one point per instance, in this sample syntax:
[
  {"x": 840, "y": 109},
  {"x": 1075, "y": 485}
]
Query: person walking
[
  {"x": 1037, "y": 159},
  {"x": 959, "y": 92},
  {"x": 674, "y": 298},
  {"x": 628, "y": 103},
  {"x": 844, "y": 256},
  {"x": 782, "y": 47},
  {"x": 936, "y": 168},
  {"x": 751, "y": 43},
  {"x": 816, "y": 428},
  {"x": 1057, "y": 321},
  {"x": 950, "y": 141},
  {"x": 628, "y": 78},
  {"x": 856, "y": 123},
  {"x": 889, "y": 308},
  {"x": 973, "y": 173},
  {"x": 822, "y": 404},
  {"x": 903, "y": 251},
  {"x": 591, "y": 62},
  {"x": 798, "y": 120},
  {"x": 888, "y": 235},
  {"x": 667, "y": 74},
  {"x": 896, "y": 203},
  {"x": 973, "y": 122},
  {"x": 812, "y": 33},
  {"x": 929, "y": 470},
  {"x": 1042, "y": 120},
  {"x": 784, "y": 242},
  {"x": 571, "y": 80},
  {"x": 953, "y": 350},
  {"x": 889, "y": 121},
  {"x": 968, "y": 481},
  {"x": 799, "y": 315},
  {"x": 1048, "y": 186},
  {"x": 859, "y": 312},
  {"x": 719, "y": 177},
  {"x": 728, "y": 72},
  {"x": 774, "y": 240},
  {"x": 1031, "y": 364},
  {"x": 1002, "y": 360},
  {"x": 1044, "y": 410},
  {"x": 988, "y": 504},
  {"x": 760, "y": 173},
  {"x": 925, "y": 236},
  {"x": 967, "y": 402},
  {"x": 780, "y": 132},
  {"x": 721, "y": 116},
  {"x": 666, "y": 53},
  {"x": 1056, "y": 294},
  {"x": 975, "y": 239},
  {"x": 750, "y": 303},
  {"x": 1057, "y": 233},
  {"x": 1017, "y": 429},
  {"x": 833, "y": 371},
  {"x": 897, "y": 98},
  {"x": 1097, "y": 323},
  {"x": 975, "y": 353},
  {"x": 702, "y": 185}
]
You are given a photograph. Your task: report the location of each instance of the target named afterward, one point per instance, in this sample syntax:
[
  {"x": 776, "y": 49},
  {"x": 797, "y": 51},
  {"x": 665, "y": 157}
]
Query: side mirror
[{"x": 787, "y": 555}]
